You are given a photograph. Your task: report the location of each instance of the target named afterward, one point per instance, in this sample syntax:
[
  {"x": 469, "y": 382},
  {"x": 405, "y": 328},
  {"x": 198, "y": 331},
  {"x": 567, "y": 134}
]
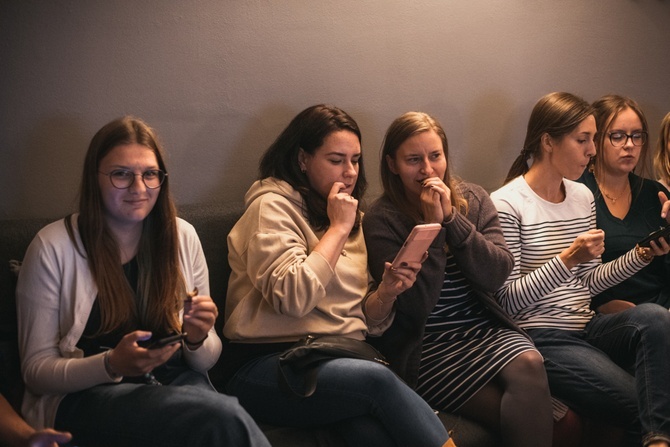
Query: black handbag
[{"x": 308, "y": 353}]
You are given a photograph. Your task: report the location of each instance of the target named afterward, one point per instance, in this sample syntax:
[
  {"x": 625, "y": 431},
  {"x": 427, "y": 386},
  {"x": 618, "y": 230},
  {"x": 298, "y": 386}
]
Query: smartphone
[
  {"x": 655, "y": 236},
  {"x": 154, "y": 344},
  {"x": 416, "y": 244}
]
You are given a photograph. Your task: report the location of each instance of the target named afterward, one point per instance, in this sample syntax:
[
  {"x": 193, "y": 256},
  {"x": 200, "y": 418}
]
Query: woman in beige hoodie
[{"x": 299, "y": 267}]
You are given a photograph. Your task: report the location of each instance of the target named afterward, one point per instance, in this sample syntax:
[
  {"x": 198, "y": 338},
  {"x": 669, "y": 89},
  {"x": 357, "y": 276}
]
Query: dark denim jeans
[
  {"x": 616, "y": 370},
  {"x": 371, "y": 405},
  {"x": 187, "y": 412}
]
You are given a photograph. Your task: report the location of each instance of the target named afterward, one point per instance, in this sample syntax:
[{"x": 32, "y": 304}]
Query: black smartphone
[
  {"x": 655, "y": 236},
  {"x": 154, "y": 344}
]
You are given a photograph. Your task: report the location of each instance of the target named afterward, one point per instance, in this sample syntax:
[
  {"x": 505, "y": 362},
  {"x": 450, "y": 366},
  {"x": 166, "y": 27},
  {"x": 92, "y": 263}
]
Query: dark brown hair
[{"x": 307, "y": 131}]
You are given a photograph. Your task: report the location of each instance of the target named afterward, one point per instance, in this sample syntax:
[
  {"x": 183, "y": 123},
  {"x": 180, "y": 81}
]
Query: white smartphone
[{"x": 416, "y": 244}]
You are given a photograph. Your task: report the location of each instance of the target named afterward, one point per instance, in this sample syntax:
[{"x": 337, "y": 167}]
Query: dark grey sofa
[{"x": 212, "y": 222}]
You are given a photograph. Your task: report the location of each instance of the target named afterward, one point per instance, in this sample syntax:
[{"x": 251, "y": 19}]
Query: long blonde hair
[
  {"x": 161, "y": 285},
  {"x": 662, "y": 156},
  {"x": 402, "y": 128}
]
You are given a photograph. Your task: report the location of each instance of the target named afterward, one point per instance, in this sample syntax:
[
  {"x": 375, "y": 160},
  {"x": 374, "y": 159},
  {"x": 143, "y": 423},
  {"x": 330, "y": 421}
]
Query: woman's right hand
[
  {"x": 128, "y": 358},
  {"x": 584, "y": 248},
  {"x": 435, "y": 200},
  {"x": 342, "y": 208}
]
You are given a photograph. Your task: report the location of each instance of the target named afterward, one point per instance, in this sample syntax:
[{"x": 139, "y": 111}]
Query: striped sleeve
[{"x": 522, "y": 290}]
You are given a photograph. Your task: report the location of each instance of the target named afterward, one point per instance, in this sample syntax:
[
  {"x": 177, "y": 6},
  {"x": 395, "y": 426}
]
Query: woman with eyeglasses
[
  {"x": 98, "y": 288},
  {"x": 628, "y": 206},
  {"x": 609, "y": 367}
]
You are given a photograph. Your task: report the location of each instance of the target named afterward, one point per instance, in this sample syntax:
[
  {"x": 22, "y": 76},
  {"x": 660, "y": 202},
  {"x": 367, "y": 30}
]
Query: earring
[{"x": 303, "y": 169}]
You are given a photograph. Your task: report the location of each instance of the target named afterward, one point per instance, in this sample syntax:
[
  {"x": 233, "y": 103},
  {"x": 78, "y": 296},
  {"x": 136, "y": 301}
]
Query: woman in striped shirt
[
  {"x": 609, "y": 367},
  {"x": 449, "y": 337}
]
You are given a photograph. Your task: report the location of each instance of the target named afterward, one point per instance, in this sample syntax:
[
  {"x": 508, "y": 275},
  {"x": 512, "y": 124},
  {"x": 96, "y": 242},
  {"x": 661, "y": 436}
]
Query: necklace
[{"x": 613, "y": 199}]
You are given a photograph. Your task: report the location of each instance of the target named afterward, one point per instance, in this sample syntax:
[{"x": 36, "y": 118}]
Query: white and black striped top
[
  {"x": 541, "y": 292},
  {"x": 464, "y": 346}
]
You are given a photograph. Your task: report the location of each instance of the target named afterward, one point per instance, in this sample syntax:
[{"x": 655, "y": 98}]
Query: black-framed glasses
[
  {"x": 124, "y": 178},
  {"x": 619, "y": 139}
]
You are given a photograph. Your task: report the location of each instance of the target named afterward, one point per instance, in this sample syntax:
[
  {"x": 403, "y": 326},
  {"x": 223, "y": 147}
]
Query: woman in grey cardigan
[{"x": 449, "y": 338}]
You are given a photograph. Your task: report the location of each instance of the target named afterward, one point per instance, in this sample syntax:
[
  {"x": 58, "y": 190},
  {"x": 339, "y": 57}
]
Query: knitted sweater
[{"x": 477, "y": 243}]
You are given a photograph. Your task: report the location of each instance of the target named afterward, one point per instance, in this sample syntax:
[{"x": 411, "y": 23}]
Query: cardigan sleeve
[
  {"x": 477, "y": 240},
  {"x": 196, "y": 274},
  {"x": 47, "y": 364}
]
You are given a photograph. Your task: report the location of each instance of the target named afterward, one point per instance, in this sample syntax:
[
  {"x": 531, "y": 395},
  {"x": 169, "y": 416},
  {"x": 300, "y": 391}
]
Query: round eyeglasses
[
  {"x": 619, "y": 139},
  {"x": 124, "y": 179}
]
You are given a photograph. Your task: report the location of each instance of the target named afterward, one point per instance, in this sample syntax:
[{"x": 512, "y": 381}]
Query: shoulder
[
  {"x": 384, "y": 214},
  {"x": 577, "y": 191},
  {"x": 647, "y": 186},
  {"x": 479, "y": 201},
  {"x": 186, "y": 231},
  {"x": 589, "y": 180},
  {"x": 510, "y": 195},
  {"x": 381, "y": 208},
  {"x": 184, "y": 227},
  {"x": 55, "y": 235},
  {"x": 271, "y": 213},
  {"x": 471, "y": 190}
]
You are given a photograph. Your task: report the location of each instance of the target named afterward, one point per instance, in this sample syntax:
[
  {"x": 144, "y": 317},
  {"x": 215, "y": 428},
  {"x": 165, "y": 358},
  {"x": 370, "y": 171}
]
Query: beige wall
[{"x": 219, "y": 79}]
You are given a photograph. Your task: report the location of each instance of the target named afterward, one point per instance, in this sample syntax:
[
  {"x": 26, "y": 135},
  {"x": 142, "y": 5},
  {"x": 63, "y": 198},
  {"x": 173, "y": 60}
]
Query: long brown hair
[
  {"x": 402, "y": 128},
  {"x": 307, "y": 131},
  {"x": 161, "y": 283},
  {"x": 556, "y": 114},
  {"x": 662, "y": 156}
]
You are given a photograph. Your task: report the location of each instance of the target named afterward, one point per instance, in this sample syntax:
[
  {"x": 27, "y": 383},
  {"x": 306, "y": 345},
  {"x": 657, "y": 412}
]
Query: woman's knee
[
  {"x": 650, "y": 318},
  {"x": 363, "y": 375},
  {"x": 526, "y": 369}
]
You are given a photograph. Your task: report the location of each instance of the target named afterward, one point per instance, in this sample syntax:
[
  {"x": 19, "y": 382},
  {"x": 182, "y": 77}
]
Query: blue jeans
[
  {"x": 187, "y": 412},
  {"x": 367, "y": 400},
  {"x": 616, "y": 370}
]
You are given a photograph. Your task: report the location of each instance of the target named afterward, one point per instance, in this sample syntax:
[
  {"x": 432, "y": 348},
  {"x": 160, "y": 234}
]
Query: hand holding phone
[
  {"x": 416, "y": 244},
  {"x": 155, "y": 344},
  {"x": 655, "y": 236}
]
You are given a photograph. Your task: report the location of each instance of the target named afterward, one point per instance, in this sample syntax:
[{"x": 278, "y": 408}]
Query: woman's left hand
[
  {"x": 396, "y": 281},
  {"x": 199, "y": 319},
  {"x": 660, "y": 247},
  {"x": 665, "y": 206},
  {"x": 435, "y": 200}
]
